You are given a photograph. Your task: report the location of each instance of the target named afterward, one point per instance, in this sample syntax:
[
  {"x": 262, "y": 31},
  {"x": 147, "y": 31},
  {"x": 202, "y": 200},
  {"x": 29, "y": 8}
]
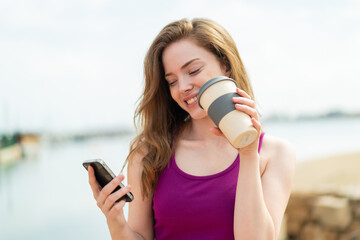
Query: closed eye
[
  {"x": 194, "y": 72},
  {"x": 172, "y": 83}
]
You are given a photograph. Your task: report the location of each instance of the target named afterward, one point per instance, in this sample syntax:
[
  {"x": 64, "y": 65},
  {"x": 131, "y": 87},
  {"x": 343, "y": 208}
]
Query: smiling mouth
[{"x": 191, "y": 100}]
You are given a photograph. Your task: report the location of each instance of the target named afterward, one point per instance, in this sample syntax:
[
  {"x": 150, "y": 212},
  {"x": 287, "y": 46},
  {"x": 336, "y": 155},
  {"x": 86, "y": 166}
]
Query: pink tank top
[{"x": 195, "y": 207}]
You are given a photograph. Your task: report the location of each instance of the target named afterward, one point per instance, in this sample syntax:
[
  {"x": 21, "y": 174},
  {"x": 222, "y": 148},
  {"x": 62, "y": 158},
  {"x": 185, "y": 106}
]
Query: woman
[{"x": 189, "y": 182}]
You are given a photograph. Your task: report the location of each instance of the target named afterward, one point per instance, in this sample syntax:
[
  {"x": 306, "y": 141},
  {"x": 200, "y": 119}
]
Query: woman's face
[{"x": 187, "y": 67}]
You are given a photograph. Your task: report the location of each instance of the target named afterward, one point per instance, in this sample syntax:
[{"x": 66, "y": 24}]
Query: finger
[
  {"x": 95, "y": 187},
  {"x": 248, "y": 110},
  {"x": 216, "y": 131},
  {"x": 257, "y": 125},
  {"x": 108, "y": 189},
  {"x": 245, "y": 101},
  {"x": 117, "y": 209},
  {"x": 112, "y": 198},
  {"x": 242, "y": 93}
]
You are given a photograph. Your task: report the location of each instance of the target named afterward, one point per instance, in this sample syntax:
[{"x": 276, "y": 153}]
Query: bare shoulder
[
  {"x": 135, "y": 169},
  {"x": 279, "y": 153},
  {"x": 135, "y": 162}
]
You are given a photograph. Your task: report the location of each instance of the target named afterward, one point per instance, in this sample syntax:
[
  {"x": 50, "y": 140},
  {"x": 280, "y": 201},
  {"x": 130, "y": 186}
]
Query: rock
[
  {"x": 312, "y": 231},
  {"x": 297, "y": 213},
  {"x": 332, "y": 212},
  {"x": 353, "y": 233}
]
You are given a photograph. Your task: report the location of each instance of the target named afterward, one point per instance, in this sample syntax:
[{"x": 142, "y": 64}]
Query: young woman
[{"x": 188, "y": 181}]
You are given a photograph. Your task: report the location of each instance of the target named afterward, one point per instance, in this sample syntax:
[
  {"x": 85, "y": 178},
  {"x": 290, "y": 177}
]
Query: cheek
[
  {"x": 215, "y": 71},
  {"x": 209, "y": 75},
  {"x": 173, "y": 94}
]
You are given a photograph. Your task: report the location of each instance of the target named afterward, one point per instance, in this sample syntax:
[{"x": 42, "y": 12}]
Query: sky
[{"x": 77, "y": 65}]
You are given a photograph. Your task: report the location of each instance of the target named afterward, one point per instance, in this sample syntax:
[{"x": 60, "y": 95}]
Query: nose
[{"x": 185, "y": 84}]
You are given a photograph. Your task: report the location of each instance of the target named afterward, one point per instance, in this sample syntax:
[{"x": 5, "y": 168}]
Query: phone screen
[{"x": 104, "y": 175}]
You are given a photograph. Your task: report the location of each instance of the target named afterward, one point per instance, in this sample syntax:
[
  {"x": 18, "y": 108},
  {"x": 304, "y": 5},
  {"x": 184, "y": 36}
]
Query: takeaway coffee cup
[{"x": 215, "y": 97}]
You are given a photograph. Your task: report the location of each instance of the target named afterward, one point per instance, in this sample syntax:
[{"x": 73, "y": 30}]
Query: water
[
  {"x": 49, "y": 197},
  {"x": 319, "y": 138}
]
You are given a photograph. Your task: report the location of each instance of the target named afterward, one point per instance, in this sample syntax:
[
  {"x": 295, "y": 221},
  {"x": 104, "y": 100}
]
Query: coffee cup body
[{"x": 215, "y": 97}]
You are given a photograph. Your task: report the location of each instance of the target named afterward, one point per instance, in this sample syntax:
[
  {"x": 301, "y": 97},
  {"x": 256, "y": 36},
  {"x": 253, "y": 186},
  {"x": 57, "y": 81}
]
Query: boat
[{"x": 10, "y": 149}]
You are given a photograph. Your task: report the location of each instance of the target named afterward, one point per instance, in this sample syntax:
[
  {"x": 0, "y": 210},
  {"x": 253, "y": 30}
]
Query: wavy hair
[{"x": 158, "y": 118}]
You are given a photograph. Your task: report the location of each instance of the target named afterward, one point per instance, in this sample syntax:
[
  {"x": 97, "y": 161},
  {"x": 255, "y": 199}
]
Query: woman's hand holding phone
[{"x": 107, "y": 200}]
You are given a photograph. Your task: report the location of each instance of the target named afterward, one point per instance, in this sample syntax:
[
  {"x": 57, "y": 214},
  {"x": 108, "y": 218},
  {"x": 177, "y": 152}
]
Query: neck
[{"x": 199, "y": 129}]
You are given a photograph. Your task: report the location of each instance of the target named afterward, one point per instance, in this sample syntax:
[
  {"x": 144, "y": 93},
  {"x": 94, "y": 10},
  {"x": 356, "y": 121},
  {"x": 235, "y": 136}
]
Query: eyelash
[
  {"x": 172, "y": 83},
  {"x": 191, "y": 73},
  {"x": 194, "y": 72}
]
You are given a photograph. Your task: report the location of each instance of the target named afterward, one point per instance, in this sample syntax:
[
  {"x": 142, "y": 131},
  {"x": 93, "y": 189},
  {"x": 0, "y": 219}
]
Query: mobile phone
[{"x": 104, "y": 175}]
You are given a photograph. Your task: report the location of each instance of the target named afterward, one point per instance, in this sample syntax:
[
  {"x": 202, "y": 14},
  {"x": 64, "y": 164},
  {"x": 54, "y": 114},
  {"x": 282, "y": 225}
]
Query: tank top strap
[{"x": 261, "y": 140}]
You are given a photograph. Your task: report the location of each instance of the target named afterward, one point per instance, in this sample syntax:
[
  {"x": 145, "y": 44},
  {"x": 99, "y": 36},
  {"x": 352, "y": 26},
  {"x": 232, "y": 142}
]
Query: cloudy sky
[{"x": 73, "y": 65}]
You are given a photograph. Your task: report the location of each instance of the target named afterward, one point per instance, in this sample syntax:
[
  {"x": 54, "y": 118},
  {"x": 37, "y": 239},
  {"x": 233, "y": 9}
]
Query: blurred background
[{"x": 71, "y": 73}]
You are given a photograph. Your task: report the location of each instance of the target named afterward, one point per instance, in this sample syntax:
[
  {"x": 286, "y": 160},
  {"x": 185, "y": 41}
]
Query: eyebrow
[{"x": 185, "y": 65}]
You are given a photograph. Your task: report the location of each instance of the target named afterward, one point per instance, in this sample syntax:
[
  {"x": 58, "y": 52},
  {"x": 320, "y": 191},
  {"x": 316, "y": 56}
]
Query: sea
[{"x": 48, "y": 196}]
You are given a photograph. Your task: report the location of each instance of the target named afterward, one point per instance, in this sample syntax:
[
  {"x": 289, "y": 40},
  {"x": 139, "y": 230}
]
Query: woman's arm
[
  {"x": 277, "y": 180},
  {"x": 141, "y": 218},
  {"x": 140, "y": 221},
  {"x": 261, "y": 199}
]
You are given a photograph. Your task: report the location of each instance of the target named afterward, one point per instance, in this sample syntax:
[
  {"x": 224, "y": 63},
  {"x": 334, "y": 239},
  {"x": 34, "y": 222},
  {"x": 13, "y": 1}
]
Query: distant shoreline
[{"x": 305, "y": 117}]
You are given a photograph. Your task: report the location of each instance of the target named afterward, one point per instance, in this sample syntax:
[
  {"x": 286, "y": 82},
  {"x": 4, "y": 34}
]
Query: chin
[{"x": 198, "y": 115}]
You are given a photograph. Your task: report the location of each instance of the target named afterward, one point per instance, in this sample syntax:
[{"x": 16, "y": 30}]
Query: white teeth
[{"x": 192, "y": 100}]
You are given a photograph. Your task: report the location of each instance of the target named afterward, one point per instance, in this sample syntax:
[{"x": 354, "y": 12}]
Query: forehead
[{"x": 180, "y": 52}]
